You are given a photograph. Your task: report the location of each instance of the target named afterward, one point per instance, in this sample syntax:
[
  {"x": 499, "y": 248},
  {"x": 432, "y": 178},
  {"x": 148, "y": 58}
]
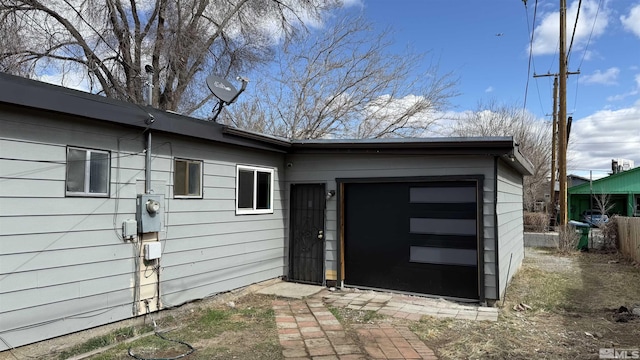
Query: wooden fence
[{"x": 629, "y": 237}]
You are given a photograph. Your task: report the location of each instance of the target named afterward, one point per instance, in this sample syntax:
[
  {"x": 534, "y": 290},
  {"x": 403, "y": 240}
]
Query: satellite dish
[
  {"x": 224, "y": 91},
  {"x": 221, "y": 88}
]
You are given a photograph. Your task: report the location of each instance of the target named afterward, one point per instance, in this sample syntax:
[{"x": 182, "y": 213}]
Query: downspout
[
  {"x": 495, "y": 224},
  {"x": 149, "y": 121},
  {"x": 147, "y": 167}
]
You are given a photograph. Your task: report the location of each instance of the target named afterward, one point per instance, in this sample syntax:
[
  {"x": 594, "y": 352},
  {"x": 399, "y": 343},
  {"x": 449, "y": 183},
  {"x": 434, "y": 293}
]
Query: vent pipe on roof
[{"x": 149, "y": 70}]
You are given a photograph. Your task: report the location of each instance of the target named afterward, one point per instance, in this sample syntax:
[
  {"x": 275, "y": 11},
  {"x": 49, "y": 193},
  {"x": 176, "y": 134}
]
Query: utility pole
[
  {"x": 562, "y": 116},
  {"x": 553, "y": 147},
  {"x": 554, "y": 135}
]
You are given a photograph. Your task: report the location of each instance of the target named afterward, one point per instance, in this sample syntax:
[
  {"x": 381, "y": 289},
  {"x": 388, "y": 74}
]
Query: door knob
[{"x": 320, "y": 234}]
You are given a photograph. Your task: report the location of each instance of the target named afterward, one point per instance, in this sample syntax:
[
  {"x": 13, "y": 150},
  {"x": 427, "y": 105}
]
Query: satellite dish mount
[{"x": 224, "y": 91}]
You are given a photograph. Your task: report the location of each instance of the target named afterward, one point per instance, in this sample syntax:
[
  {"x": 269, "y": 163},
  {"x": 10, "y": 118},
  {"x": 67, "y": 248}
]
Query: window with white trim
[
  {"x": 187, "y": 179},
  {"x": 254, "y": 190},
  {"x": 87, "y": 172}
]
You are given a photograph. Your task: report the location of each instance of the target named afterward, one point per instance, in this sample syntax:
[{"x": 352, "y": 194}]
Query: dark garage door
[{"x": 417, "y": 237}]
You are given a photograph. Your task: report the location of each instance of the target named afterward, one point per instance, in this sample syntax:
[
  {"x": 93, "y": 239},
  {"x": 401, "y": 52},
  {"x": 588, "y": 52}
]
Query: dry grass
[
  {"x": 573, "y": 302},
  {"x": 568, "y": 239}
]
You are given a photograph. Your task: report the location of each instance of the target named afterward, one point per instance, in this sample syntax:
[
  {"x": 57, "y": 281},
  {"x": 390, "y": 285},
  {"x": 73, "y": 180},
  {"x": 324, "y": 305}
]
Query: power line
[
  {"x": 575, "y": 99},
  {"x": 595, "y": 20},
  {"x": 575, "y": 25},
  {"x": 604, "y": 142},
  {"x": 118, "y": 55},
  {"x": 532, "y": 63},
  {"x": 538, "y": 91},
  {"x": 535, "y": 10},
  {"x": 553, "y": 58},
  {"x": 586, "y": 48}
]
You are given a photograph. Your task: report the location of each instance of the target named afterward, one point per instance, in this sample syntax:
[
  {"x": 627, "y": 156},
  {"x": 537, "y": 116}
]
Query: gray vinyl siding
[
  {"x": 63, "y": 265},
  {"x": 510, "y": 223},
  {"x": 320, "y": 168},
  {"x": 207, "y": 248}
]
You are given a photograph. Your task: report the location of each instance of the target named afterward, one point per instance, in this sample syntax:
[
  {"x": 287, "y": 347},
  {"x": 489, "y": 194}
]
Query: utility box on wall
[
  {"x": 129, "y": 229},
  {"x": 152, "y": 251},
  {"x": 149, "y": 213}
]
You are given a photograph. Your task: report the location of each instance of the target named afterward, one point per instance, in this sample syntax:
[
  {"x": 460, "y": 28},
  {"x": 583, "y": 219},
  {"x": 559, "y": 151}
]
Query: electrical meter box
[{"x": 149, "y": 213}]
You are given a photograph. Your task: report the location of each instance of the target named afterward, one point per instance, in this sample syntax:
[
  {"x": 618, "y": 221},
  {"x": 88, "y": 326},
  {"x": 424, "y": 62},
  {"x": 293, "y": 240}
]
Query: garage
[
  {"x": 434, "y": 217},
  {"x": 419, "y": 236}
]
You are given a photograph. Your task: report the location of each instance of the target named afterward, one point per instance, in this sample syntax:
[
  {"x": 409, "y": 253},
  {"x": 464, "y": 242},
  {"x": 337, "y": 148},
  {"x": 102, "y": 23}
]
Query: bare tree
[
  {"x": 109, "y": 42},
  {"x": 10, "y": 42},
  {"x": 343, "y": 82},
  {"x": 532, "y": 135},
  {"x": 603, "y": 203}
]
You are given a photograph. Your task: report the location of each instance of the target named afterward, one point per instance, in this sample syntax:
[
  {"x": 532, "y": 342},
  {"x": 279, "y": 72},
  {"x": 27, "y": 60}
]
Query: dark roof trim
[
  {"x": 257, "y": 136},
  {"x": 47, "y": 97},
  {"x": 504, "y": 147},
  {"x": 436, "y": 142}
]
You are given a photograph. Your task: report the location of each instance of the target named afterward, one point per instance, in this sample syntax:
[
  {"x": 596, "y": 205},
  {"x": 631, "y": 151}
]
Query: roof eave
[{"x": 21, "y": 92}]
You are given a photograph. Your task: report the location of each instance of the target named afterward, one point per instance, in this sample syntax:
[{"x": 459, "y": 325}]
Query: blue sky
[{"x": 604, "y": 99}]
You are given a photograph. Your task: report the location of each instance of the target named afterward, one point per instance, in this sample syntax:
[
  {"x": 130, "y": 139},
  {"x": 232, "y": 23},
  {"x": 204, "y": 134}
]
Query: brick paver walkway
[
  {"x": 385, "y": 341},
  {"x": 307, "y": 330}
]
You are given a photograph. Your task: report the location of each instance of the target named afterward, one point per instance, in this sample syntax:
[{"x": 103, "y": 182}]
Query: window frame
[
  {"x": 188, "y": 161},
  {"x": 87, "y": 173},
  {"x": 255, "y": 170}
]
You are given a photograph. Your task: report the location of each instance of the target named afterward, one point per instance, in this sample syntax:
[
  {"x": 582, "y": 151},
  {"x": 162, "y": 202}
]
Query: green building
[{"x": 622, "y": 191}]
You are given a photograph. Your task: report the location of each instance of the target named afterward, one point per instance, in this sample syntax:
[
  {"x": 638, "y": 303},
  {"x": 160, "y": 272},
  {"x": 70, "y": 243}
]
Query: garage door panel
[
  {"x": 452, "y": 242},
  {"x": 437, "y": 193},
  {"x": 443, "y": 256},
  {"x": 414, "y": 237},
  {"x": 428, "y": 226},
  {"x": 444, "y": 210}
]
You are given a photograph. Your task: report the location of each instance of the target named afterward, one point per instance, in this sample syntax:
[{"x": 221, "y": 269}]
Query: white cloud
[
  {"x": 350, "y": 3},
  {"x": 605, "y": 135},
  {"x": 621, "y": 97},
  {"x": 608, "y": 77},
  {"x": 547, "y": 32},
  {"x": 489, "y": 89},
  {"x": 631, "y": 22},
  {"x": 633, "y": 92},
  {"x": 72, "y": 79}
]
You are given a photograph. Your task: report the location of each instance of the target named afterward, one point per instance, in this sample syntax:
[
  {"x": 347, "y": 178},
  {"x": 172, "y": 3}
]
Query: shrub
[
  {"x": 568, "y": 239},
  {"x": 610, "y": 233},
  {"x": 536, "y": 221}
]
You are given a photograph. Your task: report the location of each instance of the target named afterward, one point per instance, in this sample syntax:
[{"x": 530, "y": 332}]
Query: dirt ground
[
  {"x": 575, "y": 303},
  {"x": 573, "y": 308}
]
